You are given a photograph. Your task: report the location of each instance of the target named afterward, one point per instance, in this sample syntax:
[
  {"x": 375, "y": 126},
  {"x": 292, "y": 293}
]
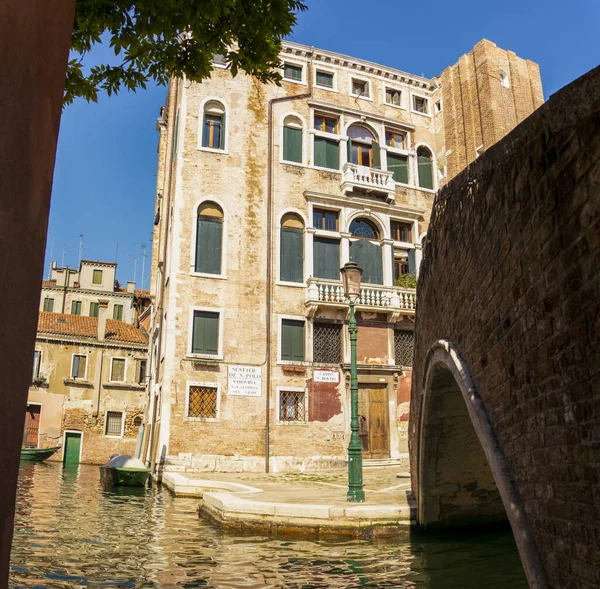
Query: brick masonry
[{"x": 511, "y": 276}]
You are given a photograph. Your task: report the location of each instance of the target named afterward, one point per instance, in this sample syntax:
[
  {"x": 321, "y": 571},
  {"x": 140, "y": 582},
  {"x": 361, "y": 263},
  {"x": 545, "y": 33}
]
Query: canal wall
[{"x": 505, "y": 402}]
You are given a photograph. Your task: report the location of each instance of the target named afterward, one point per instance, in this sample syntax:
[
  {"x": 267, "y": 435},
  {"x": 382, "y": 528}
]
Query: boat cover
[{"x": 124, "y": 461}]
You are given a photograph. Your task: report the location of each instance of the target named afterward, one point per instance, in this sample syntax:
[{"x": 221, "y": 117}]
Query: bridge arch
[{"x": 462, "y": 474}]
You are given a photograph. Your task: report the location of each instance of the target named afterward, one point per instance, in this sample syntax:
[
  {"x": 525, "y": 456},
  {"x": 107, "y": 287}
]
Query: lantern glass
[{"x": 351, "y": 275}]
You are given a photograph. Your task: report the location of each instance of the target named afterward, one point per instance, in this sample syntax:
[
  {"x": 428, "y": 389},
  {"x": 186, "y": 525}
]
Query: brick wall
[{"x": 511, "y": 276}]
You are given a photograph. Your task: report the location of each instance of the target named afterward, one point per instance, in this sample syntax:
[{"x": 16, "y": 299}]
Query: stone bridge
[{"x": 505, "y": 407}]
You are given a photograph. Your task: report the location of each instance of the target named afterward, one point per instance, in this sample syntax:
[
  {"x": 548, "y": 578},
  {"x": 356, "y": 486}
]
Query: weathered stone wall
[{"x": 511, "y": 276}]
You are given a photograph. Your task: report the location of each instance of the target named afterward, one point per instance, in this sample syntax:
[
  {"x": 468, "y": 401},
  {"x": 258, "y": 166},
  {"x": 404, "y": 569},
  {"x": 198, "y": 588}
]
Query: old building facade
[
  {"x": 263, "y": 193},
  {"x": 88, "y": 387}
]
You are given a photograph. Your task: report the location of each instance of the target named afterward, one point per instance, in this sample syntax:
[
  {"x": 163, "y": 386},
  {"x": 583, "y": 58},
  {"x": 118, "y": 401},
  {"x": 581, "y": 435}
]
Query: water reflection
[{"x": 71, "y": 531}]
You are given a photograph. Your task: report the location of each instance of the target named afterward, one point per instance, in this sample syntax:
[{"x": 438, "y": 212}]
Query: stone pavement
[{"x": 309, "y": 504}]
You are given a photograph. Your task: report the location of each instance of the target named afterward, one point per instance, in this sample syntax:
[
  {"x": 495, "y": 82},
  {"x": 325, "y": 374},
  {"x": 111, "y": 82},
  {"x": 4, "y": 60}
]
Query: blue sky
[{"x": 105, "y": 175}]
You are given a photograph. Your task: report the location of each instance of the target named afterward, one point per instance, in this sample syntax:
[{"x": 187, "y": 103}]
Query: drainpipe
[
  {"x": 166, "y": 215},
  {"x": 102, "y": 312},
  {"x": 65, "y": 287},
  {"x": 273, "y": 101}
]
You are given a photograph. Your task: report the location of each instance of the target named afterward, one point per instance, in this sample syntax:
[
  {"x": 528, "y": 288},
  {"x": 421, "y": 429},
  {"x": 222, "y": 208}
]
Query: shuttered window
[
  {"x": 326, "y": 258},
  {"x": 118, "y": 312},
  {"x": 368, "y": 256},
  {"x": 292, "y": 72},
  {"x": 48, "y": 305},
  {"x": 292, "y": 144},
  {"x": 140, "y": 371},
  {"x": 324, "y": 79},
  {"x": 327, "y": 153},
  {"x": 291, "y": 255},
  {"x": 94, "y": 309},
  {"x": 79, "y": 363},
  {"x": 425, "y": 167},
  {"x": 292, "y": 340},
  {"x": 209, "y": 236},
  {"x": 205, "y": 333},
  {"x": 117, "y": 370},
  {"x": 398, "y": 164},
  {"x": 75, "y": 307},
  {"x": 97, "y": 277}
]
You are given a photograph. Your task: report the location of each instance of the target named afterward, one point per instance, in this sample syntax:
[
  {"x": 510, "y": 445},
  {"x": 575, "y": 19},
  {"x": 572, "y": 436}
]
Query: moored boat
[
  {"x": 124, "y": 470},
  {"x": 37, "y": 454}
]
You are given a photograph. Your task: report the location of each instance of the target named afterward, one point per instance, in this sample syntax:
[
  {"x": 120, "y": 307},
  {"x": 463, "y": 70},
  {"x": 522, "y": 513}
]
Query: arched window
[
  {"x": 209, "y": 238},
  {"x": 292, "y": 140},
  {"x": 213, "y": 127},
  {"x": 365, "y": 250},
  {"x": 363, "y": 150},
  {"x": 291, "y": 254},
  {"x": 425, "y": 167}
]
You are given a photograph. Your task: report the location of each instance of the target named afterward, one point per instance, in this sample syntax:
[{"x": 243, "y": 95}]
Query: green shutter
[
  {"x": 320, "y": 153},
  {"x": 175, "y": 138},
  {"x": 222, "y": 136},
  {"x": 94, "y": 309},
  {"x": 425, "y": 166},
  {"x": 411, "y": 261},
  {"x": 75, "y": 307},
  {"x": 368, "y": 256},
  {"x": 48, "y": 305},
  {"x": 292, "y": 144},
  {"x": 291, "y": 259},
  {"x": 118, "y": 312},
  {"x": 349, "y": 150},
  {"x": 398, "y": 164},
  {"x": 327, "y": 153},
  {"x": 205, "y": 334},
  {"x": 326, "y": 258},
  {"x": 292, "y": 340},
  {"x": 209, "y": 236},
  {"x": 376, "y": 155}
]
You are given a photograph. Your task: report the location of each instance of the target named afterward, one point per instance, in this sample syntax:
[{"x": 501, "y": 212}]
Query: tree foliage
[{"x": 157, "y": 39}]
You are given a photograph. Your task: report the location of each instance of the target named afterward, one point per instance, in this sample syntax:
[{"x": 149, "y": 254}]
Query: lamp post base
[{"x": 355, "y": 493}]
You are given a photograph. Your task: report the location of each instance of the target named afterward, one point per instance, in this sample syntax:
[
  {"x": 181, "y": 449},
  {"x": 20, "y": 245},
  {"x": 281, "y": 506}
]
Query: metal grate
[
  {"x": 291, "y": 406},
  {"x": 327, "y": 343},
  {"x": 202, "y": 402},
  {"x": 114, "y": 423},
  {"x": 404, "y": 343}
]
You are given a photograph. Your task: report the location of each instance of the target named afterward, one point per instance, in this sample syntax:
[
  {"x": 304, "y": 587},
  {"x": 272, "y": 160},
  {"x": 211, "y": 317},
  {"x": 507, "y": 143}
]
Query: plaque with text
[
  {"x": 244, "y": 381},
  {"x": 326, "y": 376}
]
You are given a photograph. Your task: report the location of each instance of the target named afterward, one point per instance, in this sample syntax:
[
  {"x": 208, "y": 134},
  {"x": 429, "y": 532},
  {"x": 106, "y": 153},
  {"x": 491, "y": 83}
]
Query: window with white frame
[
  {"x": 393, "y": 96},
  {"x": 291, "y": 249},
  {"x": 326, "y": 142},
  {"x": 292, "y": 72},
  {"x": 420, "y": 104},
  {"x": 79, "y": 366},
  {"x": 292, "y": 405},
  {"x": 365, "y": 249},
  {"x": 213, "y": 125},
  {"x": 327, "y": 343},
  {"x": 292, "y": 140},
  {"x": 48, "y": 304},
  {"x": 425, "y": 167},
  {"x": 209, "y": 238},
  {"x": 117, "y": 370},
  {"x": 397, "y": 159},
  {"x": 205, "y": 332},
  {"x": 292, "y": 340},
  {"x": 360, "y": 88},
  {"x": 324, "y": 79},
  {"x": 363, "y": 148},
  {"x": 114, "y": 424},
  {"x": 202, "y": 401}
]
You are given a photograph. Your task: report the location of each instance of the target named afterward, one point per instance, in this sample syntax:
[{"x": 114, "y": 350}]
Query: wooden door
[
  {"x": 373, "y": 420},
  {"x": 72, "y": 448},
  {"x": 32, "y": 426}
]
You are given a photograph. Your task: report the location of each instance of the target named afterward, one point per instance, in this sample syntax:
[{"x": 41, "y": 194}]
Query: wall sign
[
  {"x": 326, "y": 376},
  {"x": 244, "y": 381}
]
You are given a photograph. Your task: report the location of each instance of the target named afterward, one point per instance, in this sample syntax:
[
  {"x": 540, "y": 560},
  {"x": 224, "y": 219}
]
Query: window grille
[
  {"x": 291, "y": 406},
  {"x": 114, "y": 423},
  {"x": 404, "y": 342},
  {"x": 327, "y": 343},
  {"x": 202, "y": 402}
]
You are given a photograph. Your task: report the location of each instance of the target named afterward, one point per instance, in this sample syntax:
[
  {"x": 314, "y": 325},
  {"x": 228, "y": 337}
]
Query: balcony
[
  {"x": 388, "y": 299},
  {"x": 362, "y": 179}
]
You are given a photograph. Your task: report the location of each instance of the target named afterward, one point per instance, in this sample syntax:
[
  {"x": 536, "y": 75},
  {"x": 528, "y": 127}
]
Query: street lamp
[{"x": 351, "y": 274}]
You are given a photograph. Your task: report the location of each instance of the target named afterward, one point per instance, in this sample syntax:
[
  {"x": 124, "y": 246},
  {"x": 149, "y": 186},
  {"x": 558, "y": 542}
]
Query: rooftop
[{"x": 80, "y": 326}]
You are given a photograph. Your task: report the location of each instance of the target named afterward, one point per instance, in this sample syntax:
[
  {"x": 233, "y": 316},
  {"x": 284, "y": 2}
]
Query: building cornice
[
  {"x": 360, "y": 65},
  {"x": 88, "y": 341}
]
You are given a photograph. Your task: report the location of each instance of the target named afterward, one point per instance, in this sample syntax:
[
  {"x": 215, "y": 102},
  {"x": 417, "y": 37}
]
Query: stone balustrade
[
  {"x": 331, "y": 293},
  {"x": 362, "y": 178}
]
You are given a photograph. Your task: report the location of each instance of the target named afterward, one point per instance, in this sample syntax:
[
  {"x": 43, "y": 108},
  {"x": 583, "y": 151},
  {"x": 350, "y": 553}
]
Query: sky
[{"x": 105, "y": 173}]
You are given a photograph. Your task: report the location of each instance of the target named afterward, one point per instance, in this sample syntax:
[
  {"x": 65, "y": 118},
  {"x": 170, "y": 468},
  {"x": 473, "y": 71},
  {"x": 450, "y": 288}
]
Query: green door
[{"x": 72, "y": 448}]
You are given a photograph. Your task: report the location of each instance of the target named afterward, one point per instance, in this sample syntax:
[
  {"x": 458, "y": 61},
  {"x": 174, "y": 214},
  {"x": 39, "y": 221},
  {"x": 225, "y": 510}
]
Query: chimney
[
  {"x": 130, "y": 286},
  {"x": 102, "y": 316}
]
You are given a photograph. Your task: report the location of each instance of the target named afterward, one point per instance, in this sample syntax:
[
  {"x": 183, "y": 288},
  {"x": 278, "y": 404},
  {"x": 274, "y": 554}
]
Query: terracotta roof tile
[
  {"x": 78, "y": 325},
  {"x": 48, "y": 282},
  {"x": 142, "y": 294}
]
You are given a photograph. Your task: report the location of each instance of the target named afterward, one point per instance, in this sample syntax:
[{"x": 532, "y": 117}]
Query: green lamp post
[{"x": 351, "y": 274}]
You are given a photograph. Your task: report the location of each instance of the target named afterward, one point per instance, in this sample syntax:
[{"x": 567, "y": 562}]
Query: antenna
[
  {"x": 80, "y": 248},
  {"x": 134, "y": 265},
  {"x": 116, "y": 251},
  {"x": 51, "y": 254},
  {"x": 64, "y": 247},
  {"x": 144, "y": 256}
]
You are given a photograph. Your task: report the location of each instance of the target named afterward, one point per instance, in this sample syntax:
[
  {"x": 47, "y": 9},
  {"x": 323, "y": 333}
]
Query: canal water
[{"x": 72, "y": 532}]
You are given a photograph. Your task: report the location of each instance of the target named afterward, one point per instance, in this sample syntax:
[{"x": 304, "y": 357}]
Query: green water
[{"x": 72, "y": 532}]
